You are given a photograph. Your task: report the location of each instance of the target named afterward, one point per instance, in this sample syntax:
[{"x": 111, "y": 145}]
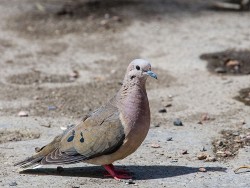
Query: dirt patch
[
  {"x": 37, "y": 77},
  {"x": 232, "y": 62},
  {"x": 244, "y": 96},
  {"x": 18, "y": 135},
  {"x": 228, "y": 145},
  {"x": 56, "y": 18}
]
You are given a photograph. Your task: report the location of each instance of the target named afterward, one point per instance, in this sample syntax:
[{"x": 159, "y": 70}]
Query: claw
[{"x": 116, "y": 174}]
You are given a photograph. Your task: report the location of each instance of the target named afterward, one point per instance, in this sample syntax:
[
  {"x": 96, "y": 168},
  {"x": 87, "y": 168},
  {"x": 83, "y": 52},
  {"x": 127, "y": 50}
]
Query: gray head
[{"x": 140, "y": 69}]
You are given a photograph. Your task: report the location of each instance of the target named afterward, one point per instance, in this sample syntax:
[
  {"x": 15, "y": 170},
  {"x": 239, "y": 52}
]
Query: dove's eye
[{"x": 137, "y": 67}]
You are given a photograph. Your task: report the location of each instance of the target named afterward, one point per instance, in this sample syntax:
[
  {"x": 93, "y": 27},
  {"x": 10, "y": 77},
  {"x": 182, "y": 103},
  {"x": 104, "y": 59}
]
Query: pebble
[
  {"x": 47, "y": 126},
  {"x": 13, "y": 183},
  {"x": 163, "y": 110},
  {"x": 74, "y": 74},
  {"x": 220, "y": 70},
  {"x": 51, "y": 107},
  {"x": 184, "y": 152},
  {"x": 130, "y": 181},
  {"x": 168, "y": 105},
  {"x": 202, "y": 169},
  {"x": 174, "y": 161},
  {"x": 117, "y": 18},
  {"x": 178, "y": 122},
  {"x": 155, "y": 146},
  {"x": 203, "y": 149},
  {"x": 205, "y": 117},
  {"x": 23, "y": 114},
  {"x": 157, "y": 125},
  {"x": 169, "y": 139},
  {"x": 210, "y": 159},
  {"x": 202, "y": 156},
  {"x": 232, "y": 63}
]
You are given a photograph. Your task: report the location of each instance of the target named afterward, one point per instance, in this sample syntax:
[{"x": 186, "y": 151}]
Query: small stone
[
  {"x": 184, "y": 152},
  {"x": 163, "y": 110},
  {"x": 174, "y": 161},
  {"x": 202, "y": 169},
  {"x": 36, "y": 98},
  {"x": 116, "y": 18},
  {"x": 220, "y": 70},
  {"x": 232, "y": 63},
  {"x": 157, "y": 125},
  {"x": 13, "y": 183},
  {"x": 169, "y": 139},
  {"x": 168, "y": 105},
  {"x": 106, "y": 16},
  {"x": 74, "y": 74},
  {"x": 220, "y": 143},
  {"x": 243, "y": 122},
  {"x": 221, "y": 153},
  {"x": 23, "y": 114},
  {"x": 37, "y": 149},
  {"x": 205, "y": 117},
  {"x": 52, "y": 107},
  {"x": 59, "y": 169},
  {"x": 47, "y": 126},
  {"x": 155, "y": 146},
  {"x": 130, "y": 181},
  {"x": 178, "y": 122},
  {"x": 105, "y": 23},
  {"x": 202, "y": 156},
  {"x": 203, "y": 149},
  {"x": 210, "y": 159}
]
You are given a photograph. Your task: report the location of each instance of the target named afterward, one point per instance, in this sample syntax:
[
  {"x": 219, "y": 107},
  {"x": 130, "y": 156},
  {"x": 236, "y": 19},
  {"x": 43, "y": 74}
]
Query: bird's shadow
[{"x": 138, "y": 172}]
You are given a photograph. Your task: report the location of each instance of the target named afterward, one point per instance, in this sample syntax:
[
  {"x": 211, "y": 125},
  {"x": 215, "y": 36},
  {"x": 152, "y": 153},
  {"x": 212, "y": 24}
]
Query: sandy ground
[{"x": 42, "y": 43}]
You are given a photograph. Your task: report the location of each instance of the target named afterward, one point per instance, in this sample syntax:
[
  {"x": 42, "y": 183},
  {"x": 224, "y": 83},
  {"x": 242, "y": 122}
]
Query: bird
[{"x": 110, "y": 133}]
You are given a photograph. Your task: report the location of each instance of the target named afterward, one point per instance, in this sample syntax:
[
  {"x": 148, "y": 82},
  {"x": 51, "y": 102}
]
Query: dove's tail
[{"x": 35, "y": 160}]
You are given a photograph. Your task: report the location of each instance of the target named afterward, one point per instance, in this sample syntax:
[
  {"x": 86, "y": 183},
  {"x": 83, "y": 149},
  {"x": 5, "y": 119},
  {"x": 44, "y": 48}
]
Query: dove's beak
[{"x": 150, "y": 73}]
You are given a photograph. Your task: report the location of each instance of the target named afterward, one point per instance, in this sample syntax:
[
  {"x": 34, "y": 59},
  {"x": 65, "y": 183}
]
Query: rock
[
  {"x": 184, "y": 152},
  {"x": 157, "y": 125},
  {"x": 52, "y": 107},
  {"x": 177, "y": 122},
  {"x": 13, "y": 183},
  {"x": 163, "y": 110},
  {"x": 203, "y": 149},
  {"x": 205, "y": 117},
  {"x": 47, "y": 126},
  {"x": 210, "y": 159},
  {"x": 23, "y": 114},
  {"x": 130, "y": 181},
  {"x": 221, "y": 153},
  {"x": 202, "y": 156},
  {"x": 155, "y": 146},
  {"x": 232, "y": 63},
  {"x": 74, "y": 74},
  {"x": 168, "y": 105},
  {"x": 220, "y": 70},
  {"x": 117, "y": 18},
  {"x": 202, "y": 169},
  {"x": 169, "y": 139}
]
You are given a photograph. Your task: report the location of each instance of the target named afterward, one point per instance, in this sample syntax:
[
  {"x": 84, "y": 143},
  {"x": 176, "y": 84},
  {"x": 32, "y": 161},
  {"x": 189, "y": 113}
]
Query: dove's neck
[{"x": 133, "y": 103}]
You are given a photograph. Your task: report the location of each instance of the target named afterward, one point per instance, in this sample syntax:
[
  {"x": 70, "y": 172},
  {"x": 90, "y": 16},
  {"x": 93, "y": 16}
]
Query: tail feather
[
  {"x": 41, "y": 153},
  {"x": 28, "y": 162}
]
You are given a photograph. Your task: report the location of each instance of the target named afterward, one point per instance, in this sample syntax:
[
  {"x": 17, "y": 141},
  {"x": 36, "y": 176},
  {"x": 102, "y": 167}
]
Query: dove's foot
[{"x": 117, "y": 174}]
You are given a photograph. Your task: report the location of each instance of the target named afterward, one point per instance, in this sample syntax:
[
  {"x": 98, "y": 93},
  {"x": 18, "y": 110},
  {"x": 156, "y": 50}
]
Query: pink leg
[{"x": 117, "y": 174}]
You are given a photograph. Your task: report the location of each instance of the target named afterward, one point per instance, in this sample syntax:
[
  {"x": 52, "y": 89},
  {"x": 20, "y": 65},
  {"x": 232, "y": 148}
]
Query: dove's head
[{"x": 139, "y": 69}]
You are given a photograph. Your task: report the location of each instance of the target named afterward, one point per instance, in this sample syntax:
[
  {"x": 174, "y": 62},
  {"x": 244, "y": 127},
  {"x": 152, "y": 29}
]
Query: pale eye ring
[{"x": 137, "y": 67}]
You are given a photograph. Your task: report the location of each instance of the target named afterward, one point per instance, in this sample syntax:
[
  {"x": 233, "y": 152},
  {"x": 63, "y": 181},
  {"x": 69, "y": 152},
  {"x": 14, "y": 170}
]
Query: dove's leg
[{"x": 117, "y": 174}]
